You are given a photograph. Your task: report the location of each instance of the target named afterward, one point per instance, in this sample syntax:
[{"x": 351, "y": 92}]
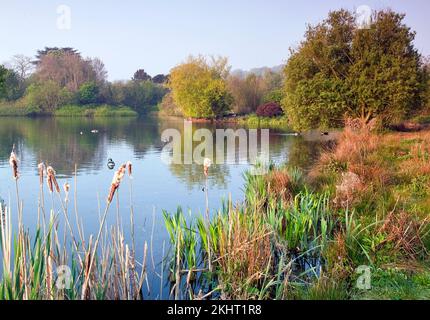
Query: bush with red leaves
[{"x": 271, "y": 109}]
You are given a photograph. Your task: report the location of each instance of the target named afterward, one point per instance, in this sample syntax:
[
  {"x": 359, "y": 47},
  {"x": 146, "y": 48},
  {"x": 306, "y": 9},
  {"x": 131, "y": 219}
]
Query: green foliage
[
  {"x": 139, "y": 95},
  {"x": 394, "y": 284},
  {"x": 88, "y": 92},
  {"x": 17, "y": 108},
  {"x": 305, "y": 225},
  {"x": 47, "y": 96},
  {"x": 13, "y": 86},
  {"x": 275, "y": 95},
  {"x": 341, "y": 70},
  {"x": 200, "y": 89}
]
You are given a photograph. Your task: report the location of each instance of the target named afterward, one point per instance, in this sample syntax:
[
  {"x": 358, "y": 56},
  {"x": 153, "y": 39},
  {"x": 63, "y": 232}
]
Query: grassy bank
[
  {"x": 253, "y": 121},
  {"x": 95, "y": 111},
  {"x": 18, "y": 109}
]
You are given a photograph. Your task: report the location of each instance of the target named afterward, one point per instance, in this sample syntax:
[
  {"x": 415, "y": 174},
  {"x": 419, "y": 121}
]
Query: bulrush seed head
[
  {"x": 117, "y": 177},
  {"x": 13, "y": 161},
  {"x": 206, "y": 165},
  {"x": 41, "y": 169},
  {"x": 129, "y": 168},
  {"x": 52, "y": 181}
]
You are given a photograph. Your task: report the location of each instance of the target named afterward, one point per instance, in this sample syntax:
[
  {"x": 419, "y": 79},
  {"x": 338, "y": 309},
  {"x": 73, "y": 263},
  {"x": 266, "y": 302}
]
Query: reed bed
[
  {"x": 304, "y": 236},
  {"x": 48, "y": 265},
  {"x": 260, "y": 248}
]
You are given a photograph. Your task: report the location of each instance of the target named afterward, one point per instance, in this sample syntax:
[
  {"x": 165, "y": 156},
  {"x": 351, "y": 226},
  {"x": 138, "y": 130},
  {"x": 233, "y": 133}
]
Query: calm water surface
[{"x": 156, "y": 185}]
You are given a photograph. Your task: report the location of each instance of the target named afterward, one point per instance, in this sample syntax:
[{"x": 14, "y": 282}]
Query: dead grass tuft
[
  {"x": 245, "y": 254},
  {"x": 279, "y": 185},
  {"x": 404, "y": 231}
]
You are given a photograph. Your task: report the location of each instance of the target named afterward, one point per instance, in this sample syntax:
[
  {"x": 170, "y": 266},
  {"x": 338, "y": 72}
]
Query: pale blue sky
[{"x": 158, "y": 34}]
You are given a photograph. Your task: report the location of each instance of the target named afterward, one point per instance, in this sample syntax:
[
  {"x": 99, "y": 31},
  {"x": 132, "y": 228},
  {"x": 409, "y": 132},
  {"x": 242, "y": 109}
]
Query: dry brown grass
[
  {"x": 279, "y": 185},
  {"x": 352, "y": 149},
  {"x": 404, "y": 232},
  {"x": 357, "y": 141},
  {"x": 353, "y": 158},
  {"x": 418, "y": 161},
  {"x": 244, "y": 254}
]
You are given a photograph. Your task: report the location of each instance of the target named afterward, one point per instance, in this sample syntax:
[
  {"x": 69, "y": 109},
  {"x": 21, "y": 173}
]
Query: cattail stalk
[
  {"x": 75, "y": 193},
  {"x": 41, "y": 170},
  {"x": 13, "y": 161},
  {"x": 130, "y": 175},
  {"x": 116, "y": 181},
  {"x": 206, "y": 165}
]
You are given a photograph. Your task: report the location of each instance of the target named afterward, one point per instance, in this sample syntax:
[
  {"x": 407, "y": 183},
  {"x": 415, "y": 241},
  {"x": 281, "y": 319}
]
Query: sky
[{"x": 156, "y": 35}]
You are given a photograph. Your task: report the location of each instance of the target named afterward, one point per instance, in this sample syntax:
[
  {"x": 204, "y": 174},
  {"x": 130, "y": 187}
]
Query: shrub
[
  {"x": 47, "y": 96},
  {"x": 88, "y": 92},
  {"x": 271, "y": 109}
]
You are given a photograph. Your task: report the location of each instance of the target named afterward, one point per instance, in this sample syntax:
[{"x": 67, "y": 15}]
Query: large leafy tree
[
  {"x": 55, "y": 51},
  {"x": 66, "y": 67},
  {"x": 341, "y": 69},
  {"x": 199, "y": 88}
]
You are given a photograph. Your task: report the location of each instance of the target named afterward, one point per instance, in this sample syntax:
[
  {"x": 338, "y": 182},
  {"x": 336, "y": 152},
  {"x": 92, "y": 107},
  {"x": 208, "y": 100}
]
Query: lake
[{"x": 157, "y": 185}]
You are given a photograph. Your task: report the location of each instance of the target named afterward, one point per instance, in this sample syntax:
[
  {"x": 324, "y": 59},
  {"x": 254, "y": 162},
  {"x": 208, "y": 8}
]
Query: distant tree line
[{"x": 61, "y": 76}]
